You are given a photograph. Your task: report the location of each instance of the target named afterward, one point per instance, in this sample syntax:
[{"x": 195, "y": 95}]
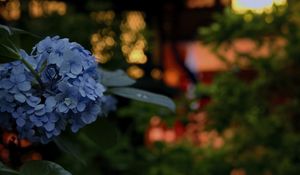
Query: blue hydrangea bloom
[{"x": 68, "y": 93}]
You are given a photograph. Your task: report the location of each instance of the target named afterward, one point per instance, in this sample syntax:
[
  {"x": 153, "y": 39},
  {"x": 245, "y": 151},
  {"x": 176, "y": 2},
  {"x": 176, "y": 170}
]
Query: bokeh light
[
  {"x": 256, "y": 6},
  {"x": 11, "y": 10},
  {"x": 135, "y": 72},
  {"x": 133, "y": 42},
  {"x": 38, "y": 8},
  {"x": 103, "y": 41}
]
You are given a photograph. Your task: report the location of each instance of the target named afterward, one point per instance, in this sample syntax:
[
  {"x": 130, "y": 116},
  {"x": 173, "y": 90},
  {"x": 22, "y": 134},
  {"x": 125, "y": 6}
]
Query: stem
[
  {"x": 34, "y": 73},
  {"x": 15, "y": 51}
]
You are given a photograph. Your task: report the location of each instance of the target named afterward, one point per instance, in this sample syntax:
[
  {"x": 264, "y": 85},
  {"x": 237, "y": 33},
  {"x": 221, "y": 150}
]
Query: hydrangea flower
[{"x": 68, "y": 92}]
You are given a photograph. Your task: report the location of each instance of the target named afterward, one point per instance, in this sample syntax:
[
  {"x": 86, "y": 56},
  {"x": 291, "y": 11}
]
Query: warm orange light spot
[
  {"x": 156, "y": 74},
  {"x": 137, "y": 56},
  {"x": 238, "y": 172},
  {"x": 171, "y": 77},
  {"x": 11, "y": 11},
  {"x": 102, "y": 44},
  {"x": 38, "y": 8},
  {"x": 135, "y": 72},
  {"x": 10, "y": 138},
  {"x": 35, "y": 8},
  {"x": 156, "y": 134},
  {"x": 135, "y": 21},
  {"x": 103, "y": 41},
  {"x": 133, "y": 42},
  {"x": 24, "y": 143},
  {"x": 218, "y": 142},
  {"x": 36, "y": 156},
  {"x": 109, "y": 41},
  {"x": 200, "y": 3},
  {"x": 32, "y": 156},
  {"x": 201, "y": 58},
  {"x": 169, "y": 136}
]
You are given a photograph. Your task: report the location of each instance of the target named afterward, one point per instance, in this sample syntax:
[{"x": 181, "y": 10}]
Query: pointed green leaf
[
  {"x": 7, "y": 54},
  {"x": 42, "y": 167},
  {"x": 6, "y": 30},
  {"x": 144, "y": 96},
  {"x": 66, "y": 146},
  {"x": 116, "y": 79}
]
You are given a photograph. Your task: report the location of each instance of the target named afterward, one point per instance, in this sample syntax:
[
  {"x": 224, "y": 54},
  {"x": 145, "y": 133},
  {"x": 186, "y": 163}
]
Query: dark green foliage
[
  {"x": 263, "y": 111},
  {"x": 42, "y": 167}
]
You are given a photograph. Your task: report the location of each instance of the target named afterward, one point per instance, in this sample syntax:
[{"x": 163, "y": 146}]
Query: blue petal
[
  {"x": 87, "y": 119},
  {"x": 33, "y": 101},
  {"x": 50, "y": 103},
  {"x": 19, "y": 69},
  {"x": 6, "y": 84},
  {"x": 54, "y": 58},
  {"x": 56, "y": 132},
  {"x": 63, "y": 108},
  {"x": 20, "y": 78},
  {"x": 20, "y": 122},
  {"x": 24, "y": 86},
  {"x": 82, "y": 92},
  {"x": 92, "y": 97},
  {"x": 75, "y": 128},
  {"x": 9, "y": 98},
  {"x": 71, "y": 75},
  {"x": 63, "y": 86},
  {"x": 49, "y": 126},
  {"x": 53, "y": 118},
  {"x": 39, "y": 107},
  {"x": 49, "y": 134},
  {"x": 44, "y": 119},
  {"x": 33, "y": 118},
  {"x": 20, "y": 98},
  {"x": 40, "y": 112},
  {"x": 81, "y": 107},
  {"x": 65, "y": 68},
  {"x": 76, "y": 69},
  {"x": 30, "y": 111},
  {"x": 38, "y": 123}
]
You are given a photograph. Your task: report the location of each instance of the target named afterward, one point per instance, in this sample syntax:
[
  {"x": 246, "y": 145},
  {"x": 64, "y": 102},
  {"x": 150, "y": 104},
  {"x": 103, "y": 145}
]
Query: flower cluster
[{"x": 63, "y": 90}]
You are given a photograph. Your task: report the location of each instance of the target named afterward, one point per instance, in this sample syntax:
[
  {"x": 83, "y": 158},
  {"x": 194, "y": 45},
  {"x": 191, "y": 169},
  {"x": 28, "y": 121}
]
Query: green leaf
[
  {"x": 7, "y": 54},
  {"x": 8, "y": 51},
  {"x": 42, "y": 167},
  {"x": 6, "y": 171},
  {"x": 116, "y": 79},
  {"x": 144, "y": 96},
  {"x": 6, "y": 30},
  {"x": 66, "y": 146}
]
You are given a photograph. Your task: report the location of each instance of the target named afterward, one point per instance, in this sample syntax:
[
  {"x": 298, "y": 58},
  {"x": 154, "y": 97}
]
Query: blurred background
[{"x": 231, "y": 66}]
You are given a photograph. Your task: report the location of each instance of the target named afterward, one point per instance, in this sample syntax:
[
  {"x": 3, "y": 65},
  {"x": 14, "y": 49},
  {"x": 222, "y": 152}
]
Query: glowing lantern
[{"x": 256, "y": 6}]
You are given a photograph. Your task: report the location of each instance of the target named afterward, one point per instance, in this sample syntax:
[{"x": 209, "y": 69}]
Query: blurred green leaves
[
  {"x": 249, "y": 25},
  {"x": 35, "y": 167},
  {"x": 42, "y": 167}
]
